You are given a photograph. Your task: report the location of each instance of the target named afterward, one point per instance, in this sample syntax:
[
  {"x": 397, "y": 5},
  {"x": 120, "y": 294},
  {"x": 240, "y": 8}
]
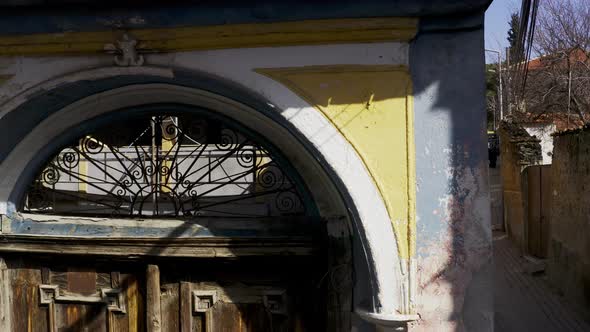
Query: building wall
[
  {"x": 365, "y": 107},
  {"x": 454, "y": 233},
  {"x": 29, "y": 77},
  {"x": 569, "y": 245}
]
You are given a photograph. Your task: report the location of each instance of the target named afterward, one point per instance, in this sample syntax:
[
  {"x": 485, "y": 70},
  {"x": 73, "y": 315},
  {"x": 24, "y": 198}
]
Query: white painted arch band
[{"x": 355, "y": 177}]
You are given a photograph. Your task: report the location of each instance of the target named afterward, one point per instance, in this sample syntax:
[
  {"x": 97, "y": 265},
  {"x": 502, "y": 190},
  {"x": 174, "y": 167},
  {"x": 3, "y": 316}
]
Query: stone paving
[{"x": 524, "y": 301}]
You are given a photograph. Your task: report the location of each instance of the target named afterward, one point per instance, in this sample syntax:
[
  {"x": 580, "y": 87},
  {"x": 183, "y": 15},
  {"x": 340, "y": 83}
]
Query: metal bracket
[
  {"x": 204, "y": 300},
  {"x": 125, "y": 51},
  {"x": 112, "y": 297},
  {"x": 275, "y": 302}
]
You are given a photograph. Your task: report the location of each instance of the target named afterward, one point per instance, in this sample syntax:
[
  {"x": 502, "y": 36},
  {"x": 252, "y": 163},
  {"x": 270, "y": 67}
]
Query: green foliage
[
  {"x": 514, "y": 24},
  {"x": 514, "y": 27},
  {"x": 491, "y": 93}
]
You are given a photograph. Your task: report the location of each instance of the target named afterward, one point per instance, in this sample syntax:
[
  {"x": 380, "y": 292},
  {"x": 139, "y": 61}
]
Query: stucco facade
[{"x": 384, "y": 119}]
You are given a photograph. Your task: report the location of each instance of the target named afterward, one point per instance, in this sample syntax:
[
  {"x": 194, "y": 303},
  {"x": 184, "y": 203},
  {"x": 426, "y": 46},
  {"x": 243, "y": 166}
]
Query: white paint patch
[{"x": 543, "y": 132}]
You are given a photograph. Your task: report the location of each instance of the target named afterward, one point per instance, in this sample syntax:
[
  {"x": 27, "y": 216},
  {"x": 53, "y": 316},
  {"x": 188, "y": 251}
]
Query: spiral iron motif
[
  {"x": 271, "y": 177},
  {"x": 70, "y": 160},
  {"x": 38, "y": 198},
  {"x": 287, "y": 201},
  {"x": 228, "y": 139},
  {"x": 91, "y": 145},
  {"x": 165, "y": 166},
  {"x": 50, "y": 175},
  {"x": 246, "y": 157}
]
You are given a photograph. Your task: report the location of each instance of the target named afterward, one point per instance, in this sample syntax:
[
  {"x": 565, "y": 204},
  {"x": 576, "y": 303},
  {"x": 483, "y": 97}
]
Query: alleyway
[{"x": 524, "y": 301}]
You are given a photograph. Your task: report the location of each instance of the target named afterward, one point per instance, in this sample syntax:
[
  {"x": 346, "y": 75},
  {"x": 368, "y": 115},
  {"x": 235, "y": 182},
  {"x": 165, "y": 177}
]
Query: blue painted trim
[
  {"x": 82, "y": 19},
  {"x": 190, "y": 229}
]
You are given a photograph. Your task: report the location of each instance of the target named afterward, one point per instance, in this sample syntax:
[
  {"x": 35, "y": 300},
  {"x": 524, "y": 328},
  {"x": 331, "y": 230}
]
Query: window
[{"x": 167, "y": 165}]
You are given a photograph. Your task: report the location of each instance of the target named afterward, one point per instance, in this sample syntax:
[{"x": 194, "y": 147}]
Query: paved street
[{"x": 525, "y": 302}]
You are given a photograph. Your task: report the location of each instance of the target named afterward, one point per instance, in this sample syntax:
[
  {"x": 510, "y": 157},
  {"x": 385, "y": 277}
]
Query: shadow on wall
[
  {"x": 454, "y": 234},
  {"x": 244, "y": 281}
]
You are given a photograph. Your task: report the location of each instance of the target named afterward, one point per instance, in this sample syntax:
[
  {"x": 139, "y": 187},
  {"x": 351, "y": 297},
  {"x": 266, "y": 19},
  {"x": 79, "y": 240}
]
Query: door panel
[
  {"x": 54, "y": 297},
  {"x": 235, "y": 307},
  {"x": 68, "y": 294},
  {"x": 26, "y": 313},
  {"x": 243, "y": 296}
]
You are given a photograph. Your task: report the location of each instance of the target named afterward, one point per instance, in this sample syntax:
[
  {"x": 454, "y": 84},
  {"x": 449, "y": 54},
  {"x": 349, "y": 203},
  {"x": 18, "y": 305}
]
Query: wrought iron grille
[{"x": 165, "y": 166}]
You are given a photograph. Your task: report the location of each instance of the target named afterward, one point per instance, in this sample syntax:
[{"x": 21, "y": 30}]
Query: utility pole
[
  {"x": 499, "y": 82},
  {"x": 569, "y": 90},
  {"x": 508, "y": 82}
]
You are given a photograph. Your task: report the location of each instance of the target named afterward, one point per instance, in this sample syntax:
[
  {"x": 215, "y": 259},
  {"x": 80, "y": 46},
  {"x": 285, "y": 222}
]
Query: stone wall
[
  {"x": 518, "y": 149},
  {"x": 569, "y": 250}
]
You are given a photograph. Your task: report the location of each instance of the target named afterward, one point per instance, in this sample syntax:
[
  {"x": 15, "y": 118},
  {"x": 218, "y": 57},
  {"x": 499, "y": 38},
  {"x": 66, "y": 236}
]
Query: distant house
[
  {"x": 548, "y": 94},
  {"x": 544, "y": 109},
  {"x": 544, "y": 61}
]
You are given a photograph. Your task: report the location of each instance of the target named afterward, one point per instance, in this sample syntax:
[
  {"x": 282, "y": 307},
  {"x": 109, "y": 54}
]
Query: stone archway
[{"x": 99, "y": 92}]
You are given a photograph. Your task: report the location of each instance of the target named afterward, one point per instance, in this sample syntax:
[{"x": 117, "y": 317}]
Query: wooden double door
[{"x": 60, "y": 293}]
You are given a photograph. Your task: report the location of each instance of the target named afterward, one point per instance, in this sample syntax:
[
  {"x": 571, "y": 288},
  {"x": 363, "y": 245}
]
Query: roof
[
  {"x": 575, "y": 54},
  {"x": 585, "y": 127},
  {"x": 559, "y": 119}
]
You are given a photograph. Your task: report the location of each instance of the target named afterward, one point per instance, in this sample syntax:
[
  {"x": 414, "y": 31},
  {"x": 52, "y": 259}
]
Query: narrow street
[{"x": 524, "y": 301}]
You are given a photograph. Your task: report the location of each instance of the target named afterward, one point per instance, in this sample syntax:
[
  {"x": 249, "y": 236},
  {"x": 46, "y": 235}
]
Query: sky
[{"x": 496, "y": 26}]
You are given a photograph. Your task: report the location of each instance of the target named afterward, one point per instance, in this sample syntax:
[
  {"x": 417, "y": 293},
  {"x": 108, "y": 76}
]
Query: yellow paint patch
[
  {"x": 82, "y": 169},
  {"x": 372, "y": 108},
  {"x": 309, "y": 32}
]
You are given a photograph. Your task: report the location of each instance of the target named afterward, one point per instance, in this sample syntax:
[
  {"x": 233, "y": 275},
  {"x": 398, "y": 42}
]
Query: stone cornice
[{"x": 312, "y": 32}]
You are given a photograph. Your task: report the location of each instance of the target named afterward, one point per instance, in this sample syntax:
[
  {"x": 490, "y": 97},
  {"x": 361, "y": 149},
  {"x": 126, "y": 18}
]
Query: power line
[{"x": 524, "y": 44}]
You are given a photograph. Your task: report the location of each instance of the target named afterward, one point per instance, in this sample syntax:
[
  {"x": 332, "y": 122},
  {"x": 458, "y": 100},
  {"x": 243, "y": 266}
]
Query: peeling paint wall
[
  {"x": 453, "y": 225},
  {"x": 446, "y": 77},
  {"x": 35, "y": 76},
  {"x": 371, "y": 107}
]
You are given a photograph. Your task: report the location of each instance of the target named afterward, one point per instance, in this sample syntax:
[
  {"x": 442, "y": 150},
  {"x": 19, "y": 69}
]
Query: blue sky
[{"x": 496, "y": 25}]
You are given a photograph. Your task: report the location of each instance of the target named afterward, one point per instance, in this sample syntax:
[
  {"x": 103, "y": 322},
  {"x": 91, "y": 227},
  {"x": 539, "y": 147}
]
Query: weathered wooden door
[
  {"x": 164, "y": 222},
  {"x": 67, "y": 294},
  {"x": 538, "y": 208},
  {"x": 253, "y": 295}
]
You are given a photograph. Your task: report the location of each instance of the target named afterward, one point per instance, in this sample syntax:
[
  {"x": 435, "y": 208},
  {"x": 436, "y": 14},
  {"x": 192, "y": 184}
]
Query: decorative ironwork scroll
[{"x": 165, "y": 166}]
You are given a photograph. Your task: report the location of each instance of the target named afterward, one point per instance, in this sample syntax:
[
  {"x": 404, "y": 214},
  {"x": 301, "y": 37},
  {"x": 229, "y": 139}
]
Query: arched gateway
[{"x": 147, "y": 201}]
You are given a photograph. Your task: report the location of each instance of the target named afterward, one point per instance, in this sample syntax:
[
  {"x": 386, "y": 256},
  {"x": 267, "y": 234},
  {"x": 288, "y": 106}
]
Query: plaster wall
[
  {"x": 569, "y": 244},
  {"x": 29, "y": 77},
  {"x": 446, "y": 64},
  {"x": 454, "y": 234}
]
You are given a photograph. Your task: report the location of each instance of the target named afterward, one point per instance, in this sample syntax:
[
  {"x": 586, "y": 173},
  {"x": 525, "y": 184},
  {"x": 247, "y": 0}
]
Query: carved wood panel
[
  {"x": 242, "y": 297},
  {"x": 54, "y": 297},
  {"x": 63, "y": 294}
]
